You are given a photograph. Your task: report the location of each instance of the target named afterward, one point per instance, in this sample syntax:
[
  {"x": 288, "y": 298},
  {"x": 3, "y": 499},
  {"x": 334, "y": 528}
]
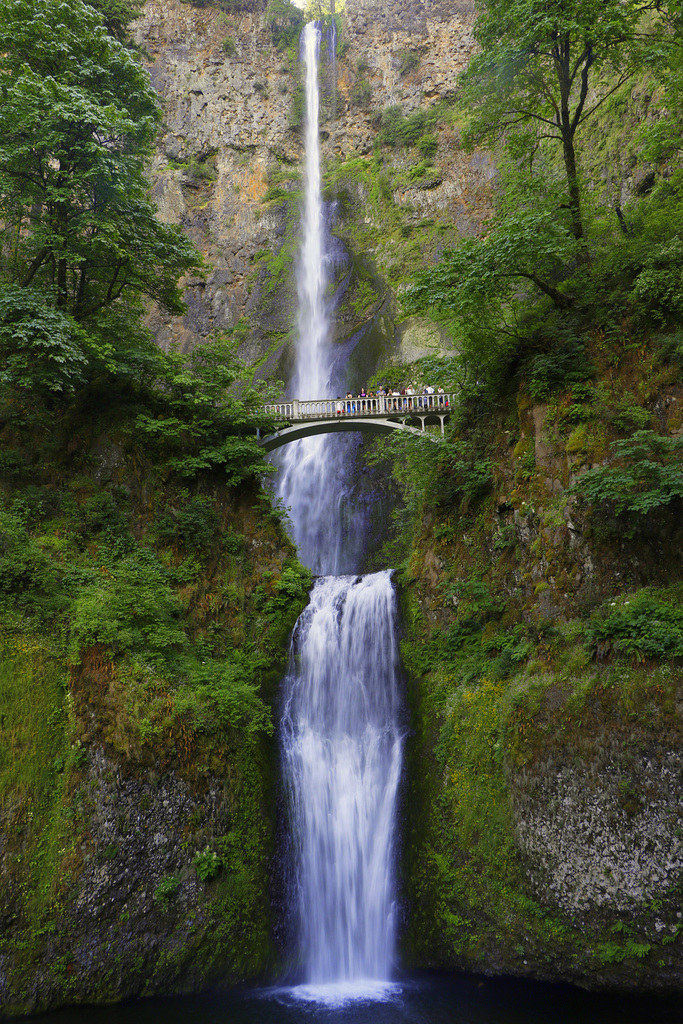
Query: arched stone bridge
[{"x": 378, "y": 415}]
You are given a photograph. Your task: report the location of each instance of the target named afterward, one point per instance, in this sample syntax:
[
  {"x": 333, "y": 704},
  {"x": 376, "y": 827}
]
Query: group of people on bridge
[{"x": 388, "y": 399}]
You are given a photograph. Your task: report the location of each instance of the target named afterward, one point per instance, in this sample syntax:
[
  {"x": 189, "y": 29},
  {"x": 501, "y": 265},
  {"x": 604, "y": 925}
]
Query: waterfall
[
  {"x": 341, "y": 739},
  {"x": 312, "y": 480},
  {"x": 342, "y": 750}
]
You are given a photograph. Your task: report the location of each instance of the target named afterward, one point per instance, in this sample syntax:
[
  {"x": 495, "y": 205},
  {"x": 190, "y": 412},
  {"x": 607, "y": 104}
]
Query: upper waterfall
[{"x": 313, "y": 478}]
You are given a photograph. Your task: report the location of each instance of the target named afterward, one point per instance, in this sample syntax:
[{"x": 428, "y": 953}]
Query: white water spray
[{"x": 342, "y": 756}]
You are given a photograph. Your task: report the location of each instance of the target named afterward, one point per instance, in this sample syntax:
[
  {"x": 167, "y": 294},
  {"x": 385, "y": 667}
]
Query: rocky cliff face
[
  {"x": 137, "y": 821},
  {"x": 229, "y": 161},
  {"x": 546, "y": 836}
]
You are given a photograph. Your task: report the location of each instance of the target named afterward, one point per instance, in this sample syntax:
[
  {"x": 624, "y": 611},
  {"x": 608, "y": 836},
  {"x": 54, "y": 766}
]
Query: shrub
[
  {"x": 657, "y": 291},
  {"x": 26, "y": 572},
  {"x": 129, "y": 606},
  {"x": 645, "y": 626},
  {"x": 193, "y": 525},
  {"x": 285, "y": 22},
  {"x": 166, "y": 890},
  {"x": 409, "y": 60},
  {"x": 361, "y": 93},
  {"x": 464, "y": 477},
  {"x": 628, "y": 416},
  {"x": 428, "y": 145},
  {"x": 207, "y": 864},
  {"x": 553, "y": 371},
  {"x": 647, "y": 475},
  {"x": 229, "y": 47},
  {"x": 397, "y": 129}
]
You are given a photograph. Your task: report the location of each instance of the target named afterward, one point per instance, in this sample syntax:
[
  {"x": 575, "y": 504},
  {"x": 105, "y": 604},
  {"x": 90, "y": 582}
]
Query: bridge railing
[{"x": 295, "y": 409}]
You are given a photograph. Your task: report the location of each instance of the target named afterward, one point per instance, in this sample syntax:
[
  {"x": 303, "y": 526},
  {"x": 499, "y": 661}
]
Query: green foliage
[
  {"x": 285, "y": 22},
  {"x": 428, "y": 145},
  {"x": 78, "y": 119},
  {"x": 657, "y": 291},
  {"x": 361, "y": 92},
  {"x": 558, "y": 370},
  {"x": 192, "y": 524},
  {"x": 409, "y": 60},
  {"x": 616, "y": 953},
  {"x": 223, "y": 694},
  {"x": 229, "y": 46},
  {"x": 200, "y": 167},
  {"x": 628, "y": 417},
  {"x": 399, "y": 129},
  {"x": 131, "y": 608},
  {"x": 207, "y": 864},
  {"x": 669, "y": 348},
  {"x": 117, "y": 14},
  {"x": 646, "y": 625},
  {"x": 27, "y": 576},
  {"x": 542, "y": 71},
  {"x": 42, "y": 349},
  {"x": 464, "y": 478},
  {"x": 166, "y": 891},
  {"x": 645, "y": 474},
  {"x": 295, "y": 581},
  {"x": 475, "y": 606},
  {"x": 530, "y": 245},
  {"x": 33, "y": 723},
  {"x": 197, "y": 420}
]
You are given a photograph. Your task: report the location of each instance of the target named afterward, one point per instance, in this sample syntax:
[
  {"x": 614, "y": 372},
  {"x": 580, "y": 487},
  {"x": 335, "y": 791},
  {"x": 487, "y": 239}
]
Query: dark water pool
[{"x": 462, "y": 1000}]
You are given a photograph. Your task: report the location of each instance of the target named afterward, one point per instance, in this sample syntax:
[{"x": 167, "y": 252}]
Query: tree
[
  {"x": 78, "y": 117},
  {"x": 117, "y": 14},
  {"x": 548, "y": 65}
]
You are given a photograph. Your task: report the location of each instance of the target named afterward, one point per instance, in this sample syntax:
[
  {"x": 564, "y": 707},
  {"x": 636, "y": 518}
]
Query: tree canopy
[
  {"x": 554, "y": 262},
  {"x": 78, "y": 117},
  {"x": 82, "y": 250},
  {"x": 548, "y": 65}
]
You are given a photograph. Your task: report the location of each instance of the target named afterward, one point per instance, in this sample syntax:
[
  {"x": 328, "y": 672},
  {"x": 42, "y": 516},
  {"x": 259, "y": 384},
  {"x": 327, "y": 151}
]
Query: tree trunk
[
  {"x": 568, "y": 125},
  {"x": 573, "y": 186}
]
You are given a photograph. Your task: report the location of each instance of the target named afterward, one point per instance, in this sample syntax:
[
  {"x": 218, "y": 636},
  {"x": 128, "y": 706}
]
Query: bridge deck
[{"x": 296, "y": 410}]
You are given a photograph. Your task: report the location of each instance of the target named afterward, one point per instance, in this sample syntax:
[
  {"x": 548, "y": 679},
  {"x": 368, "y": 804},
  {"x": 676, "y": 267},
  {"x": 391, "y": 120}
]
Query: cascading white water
[
  {"x": 342, "y": 749},
  {"x": 312, "y": 472},
  {"x": 341, "y": 739}
]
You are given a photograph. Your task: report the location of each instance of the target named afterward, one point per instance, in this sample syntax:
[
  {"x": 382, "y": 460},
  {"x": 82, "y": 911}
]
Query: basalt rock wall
[{"x": 229, "y": 160}]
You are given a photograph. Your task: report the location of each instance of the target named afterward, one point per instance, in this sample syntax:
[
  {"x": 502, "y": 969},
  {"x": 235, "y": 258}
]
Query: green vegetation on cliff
[
  {"x": 541, "y": 544},
  {"x": 147, "y": 588}
]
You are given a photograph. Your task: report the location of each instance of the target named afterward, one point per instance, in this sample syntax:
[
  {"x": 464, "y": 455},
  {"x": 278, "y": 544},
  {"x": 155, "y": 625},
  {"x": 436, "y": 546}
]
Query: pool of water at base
[{"x": 429, "y": 1000}]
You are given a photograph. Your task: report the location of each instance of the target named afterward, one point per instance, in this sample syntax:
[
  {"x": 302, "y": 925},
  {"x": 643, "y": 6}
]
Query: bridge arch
[{"x": 312, "y": 427}]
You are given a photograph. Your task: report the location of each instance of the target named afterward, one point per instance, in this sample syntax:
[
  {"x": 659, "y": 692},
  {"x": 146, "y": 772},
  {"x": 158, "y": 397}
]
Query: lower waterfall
[{"x": 342, "y": 751}]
